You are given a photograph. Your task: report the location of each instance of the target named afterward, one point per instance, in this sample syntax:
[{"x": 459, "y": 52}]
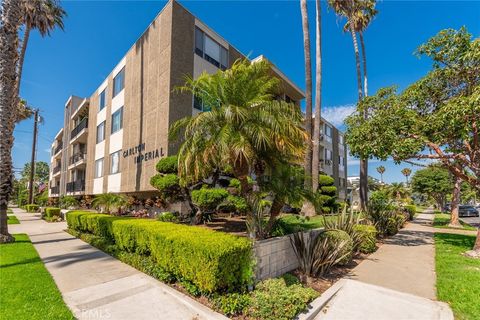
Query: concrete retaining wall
[{"x": 275, "y": 256}]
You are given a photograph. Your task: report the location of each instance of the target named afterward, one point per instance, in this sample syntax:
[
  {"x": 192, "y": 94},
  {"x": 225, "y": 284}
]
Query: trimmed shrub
[
  {"x": 274, "y": 299},
  {"x": 50, "y": 212},
  {"x": 325, "y": 180},
  {"x": 231, "y": 304},
  {"x": 208, "y": 199},
  {"x": 329, "y": 190},
  {"x": 337, "y": 237},
  {"x": 411, "y": 209},
  {"x": 366, "y": 236},
  {"x": 210, "y": 260},
  {"x": 395, "y": 223},
  {"x": 168, "y": 165},
  {"x": 164, "y": 182},
  {"x": 234, "y": 183},
  {"x": 234, "y": 204},
  {"x": 167, "y": 217},
  {"x": 32, "y": 208}
]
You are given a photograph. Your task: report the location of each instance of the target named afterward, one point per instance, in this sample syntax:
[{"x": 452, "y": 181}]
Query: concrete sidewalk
[
  {"x": 405, "y": 262},
  {"x": 97, "y": 286}
]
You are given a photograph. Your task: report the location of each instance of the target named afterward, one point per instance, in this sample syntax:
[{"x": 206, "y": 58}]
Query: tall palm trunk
[
  {"x": 364, "y": 59},
  {"x": 11, "y": 13},
  {"x": 26, "y": 36},
  {"x": 318, "y": 98},
  {"x": 363, "y": 190},
  {"x": 454, "y": 221},
  {"x": 308, "y": 93}
]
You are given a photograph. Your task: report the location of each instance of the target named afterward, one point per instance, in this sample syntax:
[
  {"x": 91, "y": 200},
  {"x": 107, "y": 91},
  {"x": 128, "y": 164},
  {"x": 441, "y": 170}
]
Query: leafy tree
[
  {"x": 42, "y": 172},
  {"x": 246, "y": 129},
  {"x": 433, "y": 181},
  {"x": 381, "y": 170},
  {"x": 436, "y": 118},
  {"x": 109, "y": 201}
]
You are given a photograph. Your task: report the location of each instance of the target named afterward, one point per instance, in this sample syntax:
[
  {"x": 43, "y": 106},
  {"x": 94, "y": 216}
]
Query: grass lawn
[
  {"x": 27, "y": 290},
  {"x": 458, "y": 277},
  {"x": 12, "y": 219},
  {"x": 443, "y": 219}
]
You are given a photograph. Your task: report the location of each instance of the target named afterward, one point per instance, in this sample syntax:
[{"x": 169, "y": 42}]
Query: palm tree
[
  {"x": 10, "y": 14},
  {"x": 308, "y": 93},
  {"x": 398, "y": 191},
  {"x": 109, "y": 201},
  {"x": 406, "y": 172},
  {"x": 381, "y": 170},
  {"x": 43, "y": 15},
  {"x": 318, "y": 98},
  {"x": 359, "y": 14},
  {"x": 246, "y": 129}
]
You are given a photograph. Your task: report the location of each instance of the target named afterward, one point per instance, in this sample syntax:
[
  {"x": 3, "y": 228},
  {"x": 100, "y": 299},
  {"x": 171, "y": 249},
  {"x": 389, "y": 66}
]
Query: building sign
[{"x": 140, "y": 154}]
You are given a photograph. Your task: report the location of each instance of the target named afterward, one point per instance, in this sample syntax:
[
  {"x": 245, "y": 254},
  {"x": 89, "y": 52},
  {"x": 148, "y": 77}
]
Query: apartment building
[{"x": 111, "y": 141}]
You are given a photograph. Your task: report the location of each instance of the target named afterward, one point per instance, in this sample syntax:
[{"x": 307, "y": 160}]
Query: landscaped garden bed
[
  {"x": 458, "y": 276},
  {"x": 12, "y": 219},
  {"x": 27, "y": 290}
]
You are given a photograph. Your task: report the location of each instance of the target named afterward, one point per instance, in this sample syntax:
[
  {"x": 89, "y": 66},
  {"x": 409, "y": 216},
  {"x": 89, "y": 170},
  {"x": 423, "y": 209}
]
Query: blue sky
[{"x": 98, "y": 33}]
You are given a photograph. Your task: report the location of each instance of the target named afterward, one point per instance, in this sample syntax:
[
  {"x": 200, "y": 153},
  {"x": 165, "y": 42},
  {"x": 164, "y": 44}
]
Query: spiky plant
[{"x": 109, "y": 201}]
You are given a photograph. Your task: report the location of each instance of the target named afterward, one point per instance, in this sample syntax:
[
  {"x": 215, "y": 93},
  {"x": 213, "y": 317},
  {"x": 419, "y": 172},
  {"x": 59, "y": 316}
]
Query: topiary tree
[
  {"x": 167, "y": 181},
  {"x": 327, "y": 194},
  {"x": 207, "y": 200}
]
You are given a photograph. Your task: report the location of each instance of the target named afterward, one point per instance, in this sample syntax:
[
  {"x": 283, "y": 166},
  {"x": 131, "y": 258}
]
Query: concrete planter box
[{"x": 275, "y": 256}]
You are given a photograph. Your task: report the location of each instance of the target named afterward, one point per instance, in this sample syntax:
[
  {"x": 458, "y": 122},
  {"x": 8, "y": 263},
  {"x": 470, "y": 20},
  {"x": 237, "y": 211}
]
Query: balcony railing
[
  {"x": 82, "y": 125},
  {"x": 57, "y": 169},
  {"x": 76, "y": 186},
  {"x": 58, "y": 148},
  {"x": 54, "y": 190},
  {"x": 77, "y": 157}
]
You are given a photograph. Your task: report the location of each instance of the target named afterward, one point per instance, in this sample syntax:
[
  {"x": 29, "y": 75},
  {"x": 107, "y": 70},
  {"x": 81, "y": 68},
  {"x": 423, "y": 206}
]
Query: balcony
[
  {"x": 58, "y": 148},
  {"x": 56, "y": 170},
  {"x": 81, "y": 128},
  {"x": 77, "y": 159},
  {"x": 54, "y": 190},
  {"x": 76, "y": 186}
]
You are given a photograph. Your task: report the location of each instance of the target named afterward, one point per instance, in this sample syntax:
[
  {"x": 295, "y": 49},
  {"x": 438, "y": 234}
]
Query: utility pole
[{"x": 32, "y": 162}]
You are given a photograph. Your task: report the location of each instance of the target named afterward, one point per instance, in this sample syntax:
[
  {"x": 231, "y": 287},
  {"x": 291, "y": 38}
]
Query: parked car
[
  {"x": 447, "y": 208},
  {"x": 467, "y": 211}
]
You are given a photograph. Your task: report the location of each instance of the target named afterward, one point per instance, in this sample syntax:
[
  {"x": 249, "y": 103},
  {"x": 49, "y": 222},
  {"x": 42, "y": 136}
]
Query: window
[
  {"x": 101, "y": 100},
  {"x": 99, "y": 168},
  {"x": 328, "y": 130},
  {"x": 117, "y": 120},
  {"x": 119, "y": 82},
  {"x": 115, "y": 162},
  {"x": 210, "y": 50},
  {"x": 200, "y": 105},
  {"x": 328, "y": 154},
  {"x": 341, "y": 161},
  {"x": 340, "y": 139},
  {"x": 101, "y": 132}
]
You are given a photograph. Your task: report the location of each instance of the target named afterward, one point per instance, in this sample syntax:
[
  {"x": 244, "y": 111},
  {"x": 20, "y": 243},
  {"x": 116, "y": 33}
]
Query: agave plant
[
  {"x": 346, "y": 222},
  {"x": 317, "y": 255}
]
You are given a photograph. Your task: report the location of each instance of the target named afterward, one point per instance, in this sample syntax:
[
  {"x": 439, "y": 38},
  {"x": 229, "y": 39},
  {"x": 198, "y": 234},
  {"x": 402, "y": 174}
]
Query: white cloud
[{"x": 336, "y": 115}]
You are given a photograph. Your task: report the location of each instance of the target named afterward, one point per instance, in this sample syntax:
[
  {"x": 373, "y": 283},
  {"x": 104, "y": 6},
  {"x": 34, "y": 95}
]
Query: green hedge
[
  {"x": 211, "y": 260},
  {"x": 51, "y": 211},
  {"x": 411, "y": 209},
  {"x": 32, "y": 208},
  {"x": 367, "y": 238}
]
